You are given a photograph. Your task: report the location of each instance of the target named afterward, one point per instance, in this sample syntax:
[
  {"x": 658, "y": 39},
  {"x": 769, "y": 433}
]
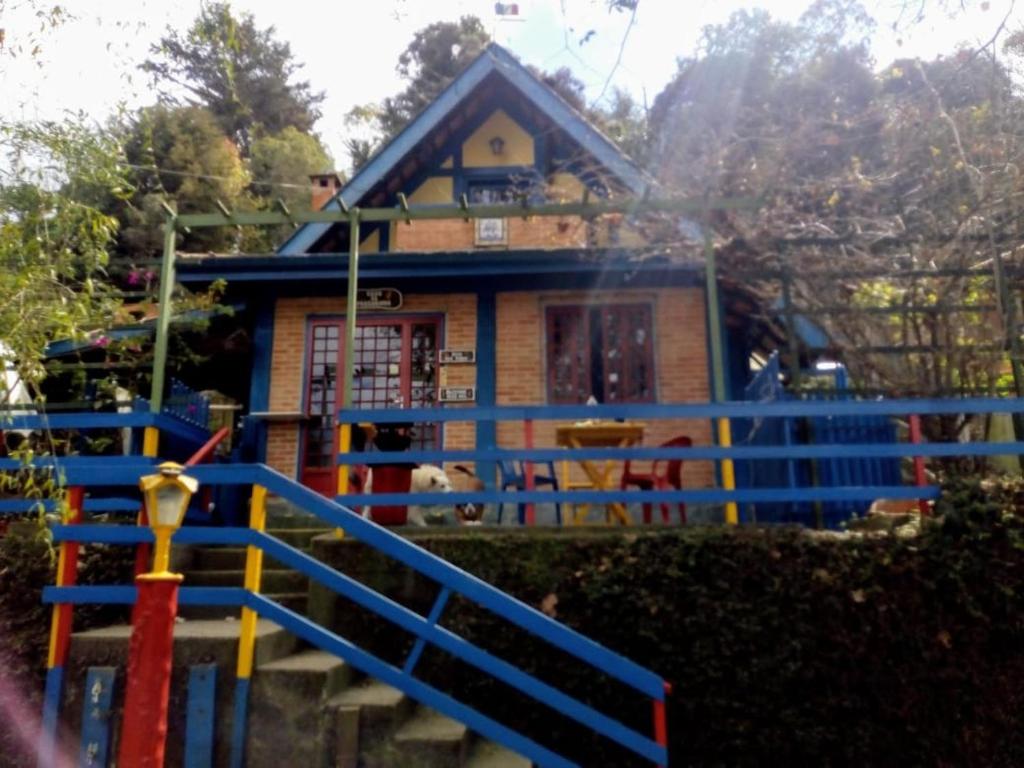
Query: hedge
[
  {"x": 27, "y": 564},
  {"x": 784, "y": 647}
]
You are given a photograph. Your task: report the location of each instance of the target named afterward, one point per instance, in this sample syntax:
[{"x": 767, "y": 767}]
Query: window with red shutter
[{"x": 604, "y": 351}]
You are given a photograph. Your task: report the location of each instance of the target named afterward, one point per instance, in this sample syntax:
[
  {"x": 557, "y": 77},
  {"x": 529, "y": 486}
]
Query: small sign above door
[
  {"x": 378, "y": 298},
  {"x": 457, "y": 394},
  {"x": 457, "y": 356}
]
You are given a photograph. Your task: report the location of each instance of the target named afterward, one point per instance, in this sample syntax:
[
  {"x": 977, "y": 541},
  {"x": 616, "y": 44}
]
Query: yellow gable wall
[
  {"x": 518, "y": 150},
  {"x": 436, "y": 189}
]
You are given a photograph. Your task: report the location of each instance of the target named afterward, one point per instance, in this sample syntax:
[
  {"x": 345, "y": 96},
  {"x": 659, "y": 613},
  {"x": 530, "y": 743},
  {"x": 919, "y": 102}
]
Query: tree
[
  {"x": 176, "y": 155},
  {"x": 280, "y": 168},
  {"x": 282, "y": 163},
  {"x": 909, "y": 169},
  {"x": 54, "y": 243},
  {"x": 242, "y": 74},
  {"x": 437, "y": 55}
]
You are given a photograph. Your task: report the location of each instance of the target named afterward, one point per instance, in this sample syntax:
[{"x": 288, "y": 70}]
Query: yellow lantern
[{"x": 166, "y": 496}]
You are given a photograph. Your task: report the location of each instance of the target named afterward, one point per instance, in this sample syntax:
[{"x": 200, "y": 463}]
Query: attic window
[
  {"x": 492, "y": 191},
  {"x": 324, "y": 182}
]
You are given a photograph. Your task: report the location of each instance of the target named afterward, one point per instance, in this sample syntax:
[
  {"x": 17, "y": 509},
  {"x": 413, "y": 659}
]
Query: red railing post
[
  {"x": 67, "y": 577},
  {"x": 144, "y": 732},
  {"x": 60, "y": 633},
  {"x": 660, "y": 721},
  {"x": 919, "y": 477},
  {"x": 531, "y": 512}
]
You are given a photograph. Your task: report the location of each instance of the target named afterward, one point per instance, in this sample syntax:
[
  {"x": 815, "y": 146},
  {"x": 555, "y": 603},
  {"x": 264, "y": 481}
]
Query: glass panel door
[{"x": 395, "y": 366}]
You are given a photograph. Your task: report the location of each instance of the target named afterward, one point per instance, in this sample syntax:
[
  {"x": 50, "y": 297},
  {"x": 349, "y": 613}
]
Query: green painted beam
[
  {"x": 351, "y": 305},
  {"x": 433, "y": 212},
  {"x": 163, "y": 320}
]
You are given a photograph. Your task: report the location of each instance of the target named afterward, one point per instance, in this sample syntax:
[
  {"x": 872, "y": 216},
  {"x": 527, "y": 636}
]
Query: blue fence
[
  {"x": 846, "y": 488},
  {"x": 826, "y": 471},
  {"x": 187, "y": 405}
]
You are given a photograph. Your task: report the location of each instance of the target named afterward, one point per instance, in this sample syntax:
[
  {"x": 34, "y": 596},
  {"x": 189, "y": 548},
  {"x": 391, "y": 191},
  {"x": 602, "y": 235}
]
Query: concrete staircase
[
  {"x": 310, "y": 709},
  {"x": 307, "y": 708}
]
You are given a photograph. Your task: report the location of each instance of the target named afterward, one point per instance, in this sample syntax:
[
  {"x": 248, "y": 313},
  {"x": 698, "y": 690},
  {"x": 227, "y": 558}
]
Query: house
[{"x": 553, "y": 309}]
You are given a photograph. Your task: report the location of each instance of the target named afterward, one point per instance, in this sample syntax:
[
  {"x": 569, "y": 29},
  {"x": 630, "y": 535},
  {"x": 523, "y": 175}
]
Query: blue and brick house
[{"x": 528, "y": 311}]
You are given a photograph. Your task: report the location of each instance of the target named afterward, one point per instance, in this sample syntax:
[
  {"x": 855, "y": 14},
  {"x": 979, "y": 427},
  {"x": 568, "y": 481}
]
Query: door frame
[{"x": 407, "y": 319}]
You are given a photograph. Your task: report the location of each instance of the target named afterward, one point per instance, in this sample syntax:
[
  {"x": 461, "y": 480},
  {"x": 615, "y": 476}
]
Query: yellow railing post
[
  {"x": 344, "y": 447},
  {"x": 253, "y": 572},
  {"x": 150, "y": 441},
  {"x": 728, "y": 472}
]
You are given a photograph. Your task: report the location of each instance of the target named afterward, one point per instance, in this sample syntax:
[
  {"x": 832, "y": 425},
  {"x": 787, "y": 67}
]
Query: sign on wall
[
  {"x": 457, "y": 394},
  {"x": 457, "y": 356},
  {"x": 378, "y": 299},
  {"x": 491, "y": 232}
]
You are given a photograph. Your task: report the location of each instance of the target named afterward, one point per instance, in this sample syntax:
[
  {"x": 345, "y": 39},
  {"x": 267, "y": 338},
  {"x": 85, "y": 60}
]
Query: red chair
[{"x": 665, "y": 475}]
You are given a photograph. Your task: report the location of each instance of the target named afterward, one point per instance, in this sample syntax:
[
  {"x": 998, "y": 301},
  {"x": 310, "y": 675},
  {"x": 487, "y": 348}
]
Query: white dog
[{"x": 425, "y": 479}]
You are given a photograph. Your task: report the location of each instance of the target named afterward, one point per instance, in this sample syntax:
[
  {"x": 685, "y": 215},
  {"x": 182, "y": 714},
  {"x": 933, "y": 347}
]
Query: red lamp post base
[{"x": 144, "y": 729}]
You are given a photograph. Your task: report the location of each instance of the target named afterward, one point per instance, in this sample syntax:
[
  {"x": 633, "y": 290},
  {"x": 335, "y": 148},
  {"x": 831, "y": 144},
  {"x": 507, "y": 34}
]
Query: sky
[{"x": 349, "y": 48}]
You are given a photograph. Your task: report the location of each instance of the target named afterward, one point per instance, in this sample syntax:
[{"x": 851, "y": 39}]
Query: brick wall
[
  {"x": 287, "y": 372},
  {"x": 681, "y": 364},
  {"x": 458, "y": 235}
]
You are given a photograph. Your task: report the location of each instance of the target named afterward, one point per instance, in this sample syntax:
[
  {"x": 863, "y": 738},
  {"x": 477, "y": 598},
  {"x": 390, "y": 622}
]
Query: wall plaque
[
  {"x": 457, "y": 356},
  {"x": 378, "y": 298},
  {"x": 457, "y": 394}
]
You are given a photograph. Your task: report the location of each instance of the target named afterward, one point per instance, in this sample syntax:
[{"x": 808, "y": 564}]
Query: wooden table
[{"x": 601, "y": 434}]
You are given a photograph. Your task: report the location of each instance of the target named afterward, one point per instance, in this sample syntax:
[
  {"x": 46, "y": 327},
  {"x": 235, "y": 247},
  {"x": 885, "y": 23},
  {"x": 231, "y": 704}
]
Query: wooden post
[
  {"x": 732, "y": 516},
  {"x": 531, "y": 512},
  {"x": 919, "y": 476}
]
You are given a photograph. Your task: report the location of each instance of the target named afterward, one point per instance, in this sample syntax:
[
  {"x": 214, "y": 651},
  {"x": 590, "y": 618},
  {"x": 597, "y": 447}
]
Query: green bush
[
  {"x": 27, "y": 564},
  {"x": 783, "y": 647}
]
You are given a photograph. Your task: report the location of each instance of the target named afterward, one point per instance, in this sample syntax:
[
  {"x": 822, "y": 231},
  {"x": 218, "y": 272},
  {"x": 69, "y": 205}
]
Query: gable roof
[{"x": 494, "y": 59}]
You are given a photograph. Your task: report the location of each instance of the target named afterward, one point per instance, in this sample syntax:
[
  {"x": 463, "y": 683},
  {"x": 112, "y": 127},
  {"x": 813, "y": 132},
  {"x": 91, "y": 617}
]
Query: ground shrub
[{"x": 783, "y": 647}]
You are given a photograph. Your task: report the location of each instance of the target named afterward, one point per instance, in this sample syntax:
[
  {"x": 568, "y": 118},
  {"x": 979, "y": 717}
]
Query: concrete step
[
  {"x": 283, "y": 514},
  {"x": 430, "y": 739},
  {"x": 300, "y": 537},
  {"x": 199, "y": 641},
  {"x": 273, "y": 581},
  {"x": 195, "y": 642},
  {"x": 219, "y": 559},
  {"x": 295, "y": 601},
  {"x": 288, "y": 724},
  {"x": 487, "y": 754},
  {"x": 381, "y": 710},
  {"x": 311, "y": 674}
]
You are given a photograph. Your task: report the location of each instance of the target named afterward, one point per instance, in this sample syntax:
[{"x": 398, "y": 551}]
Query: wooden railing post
[
  {"x": 247, "y": 628},
  {"x": 920, "y": 480},
  {"x": 60, "y": 632},
  {"x": 660, "y": 720},
  {"x": 531, "y": 512}
]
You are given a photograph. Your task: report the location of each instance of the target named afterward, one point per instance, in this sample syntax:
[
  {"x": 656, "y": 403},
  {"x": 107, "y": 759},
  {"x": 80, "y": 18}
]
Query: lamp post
[{"x": 144, "y": 729}]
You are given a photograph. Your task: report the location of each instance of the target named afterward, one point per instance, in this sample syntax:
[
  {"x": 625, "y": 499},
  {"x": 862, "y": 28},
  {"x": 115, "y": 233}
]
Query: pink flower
[
  {"x": 134, "y": 278},
  {"x": 102, "y": 341}
]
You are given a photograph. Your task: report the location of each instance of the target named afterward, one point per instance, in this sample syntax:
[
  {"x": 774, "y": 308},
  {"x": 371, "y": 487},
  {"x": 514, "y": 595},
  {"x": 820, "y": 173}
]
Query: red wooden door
[{"x": 395, "y": 366}]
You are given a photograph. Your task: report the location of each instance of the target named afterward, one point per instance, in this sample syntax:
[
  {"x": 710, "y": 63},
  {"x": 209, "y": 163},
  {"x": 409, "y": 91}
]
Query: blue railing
[
  {"x": 862, "y": 488},
  {"x": 186, "y": 404},
  {"x": 873, "y": 470},
  {"x": 452, "y": 580}
]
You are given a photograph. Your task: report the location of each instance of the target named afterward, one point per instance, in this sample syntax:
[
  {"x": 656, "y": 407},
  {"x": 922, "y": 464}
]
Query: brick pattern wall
[
  {"x": 458, "y": 235},
  {"x": 287, "y": 369},
  {"x": 681, "y": 364}
]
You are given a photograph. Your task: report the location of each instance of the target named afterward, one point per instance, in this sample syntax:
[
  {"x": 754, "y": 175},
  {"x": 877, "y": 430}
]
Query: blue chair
[{"x": 513, "y": 475}]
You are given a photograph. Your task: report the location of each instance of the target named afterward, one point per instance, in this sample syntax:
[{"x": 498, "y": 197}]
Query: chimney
[{"x": 324, "y": 186}]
